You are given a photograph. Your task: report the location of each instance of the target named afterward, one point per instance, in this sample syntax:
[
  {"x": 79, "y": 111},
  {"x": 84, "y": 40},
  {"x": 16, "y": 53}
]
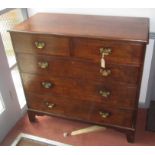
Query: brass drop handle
[
  {"x": 47, "y": 85},
  {"x": 104, "y": 93},
  {"x": 39, "y": 44},
  {"x": 105, "y": 51},
  {"x": 43, "y": 65},
  {"x": 49, "y": 105},
  {"x": 104, "y": 114},
  {"x": 105, "y": 72}
]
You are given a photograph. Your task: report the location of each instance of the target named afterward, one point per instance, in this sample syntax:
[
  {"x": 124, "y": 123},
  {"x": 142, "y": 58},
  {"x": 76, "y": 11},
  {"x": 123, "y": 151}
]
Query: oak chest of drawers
[{"x": 82, "y": 67}]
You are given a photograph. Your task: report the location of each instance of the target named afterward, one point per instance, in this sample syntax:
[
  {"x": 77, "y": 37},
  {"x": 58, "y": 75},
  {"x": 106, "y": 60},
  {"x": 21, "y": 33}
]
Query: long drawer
[
  {"x": 115, "y": 52},
  {"x": 80, "y": 110},
  {"x": 41, "y": 44},
  {"x": 61, "y": 67},
  {"x": 111, "y": 94}
]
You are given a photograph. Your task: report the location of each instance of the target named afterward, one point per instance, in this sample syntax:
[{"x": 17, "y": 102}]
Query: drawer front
[
  {"x": 111, "y": 94},
  {"x": 119, "y": 53},
  {"x": 40, "y": 44},
  {"x": 80, "y": 110},
  {"x": 112, "y": 116},
  {"x": 59, "y": 106},
  {"x": 61, "y": 67}
]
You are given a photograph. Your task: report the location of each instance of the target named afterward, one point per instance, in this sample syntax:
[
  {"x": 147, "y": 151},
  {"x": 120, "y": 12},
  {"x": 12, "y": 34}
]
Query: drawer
[
  {"x": 59, "y": 106},
  {"x": 77, "y": 109},
  {"x": 111, "y": 116},
  {"x": 121, "y": 52},
  {"x": 40, "y": 44},
  {"x": 61, "y": 67},
  {"x": 111, "y": 94}
]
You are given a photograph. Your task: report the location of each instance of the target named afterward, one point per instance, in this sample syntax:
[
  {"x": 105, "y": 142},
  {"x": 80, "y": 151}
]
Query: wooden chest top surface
[{"x": 90, "y": 26}]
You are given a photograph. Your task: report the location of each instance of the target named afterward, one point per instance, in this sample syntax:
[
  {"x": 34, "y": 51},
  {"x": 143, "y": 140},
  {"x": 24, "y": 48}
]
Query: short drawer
[
  {"x": 63, "y": 67},
  {"x": 40, "y": 44},
  {"x": 110, "y": 94},
  {"x": 59, "y": 106},
  {"x": 118, "y": 52},
  {"x": 112, "y": 116}
]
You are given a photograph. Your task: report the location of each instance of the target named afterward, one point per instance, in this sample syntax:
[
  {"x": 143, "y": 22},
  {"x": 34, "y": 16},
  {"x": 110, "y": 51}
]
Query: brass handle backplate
[
  {"x": 105, "y": 72},
  {"x": 105, "y": 51},
  {"x": 49, "y": 105},
  {"x": 43, "y": 65},
  {"x": 104, "y": 114},
  {"x": 39, "y": 44},
  {"x": 104, "y": 93},
  {"x": 47, "y": 85}
]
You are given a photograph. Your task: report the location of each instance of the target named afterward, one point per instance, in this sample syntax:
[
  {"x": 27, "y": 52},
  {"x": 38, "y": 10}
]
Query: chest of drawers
[{"x": 82, "y": 67}]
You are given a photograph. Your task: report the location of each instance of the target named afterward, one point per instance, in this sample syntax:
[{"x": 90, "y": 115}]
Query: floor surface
[{"x": 53, "y": 128}]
